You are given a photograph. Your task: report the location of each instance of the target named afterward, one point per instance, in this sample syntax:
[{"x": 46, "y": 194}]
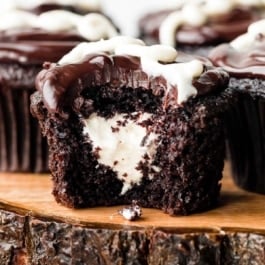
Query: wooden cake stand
[{"x": 36, "y": 230}]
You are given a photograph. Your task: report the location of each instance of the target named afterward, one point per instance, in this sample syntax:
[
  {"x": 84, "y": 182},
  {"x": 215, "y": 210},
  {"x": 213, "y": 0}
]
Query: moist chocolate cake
[
  {"x": 125, "y": 122},
  {"x": 22, "y": 53},
  {"x": 244, "y": 59},
  {"x": 198, "y": 26}
]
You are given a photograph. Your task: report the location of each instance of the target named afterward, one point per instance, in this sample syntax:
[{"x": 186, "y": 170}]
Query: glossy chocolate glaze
[
  {"x": 36, "y": 34},
  {"x": 33, "y": 52},
  {"x": 34, "y": 45},
  {"x": 65, "y": 82},
  {"x": 52, "y": 6},
  {"x": 222, "y": 28},
  {"x": 247, "y": 63}
]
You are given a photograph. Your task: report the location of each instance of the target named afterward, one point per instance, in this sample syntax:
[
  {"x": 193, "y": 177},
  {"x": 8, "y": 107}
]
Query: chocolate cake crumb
[
  {"x": 132, "y": 212},
  {"x": 114, "y": 129}
]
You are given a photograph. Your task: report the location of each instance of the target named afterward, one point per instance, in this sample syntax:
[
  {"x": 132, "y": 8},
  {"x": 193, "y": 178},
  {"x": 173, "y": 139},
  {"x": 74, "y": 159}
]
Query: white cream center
[
  {"x": 121, "y": 144},
  {"x": 196, "y": 13}
]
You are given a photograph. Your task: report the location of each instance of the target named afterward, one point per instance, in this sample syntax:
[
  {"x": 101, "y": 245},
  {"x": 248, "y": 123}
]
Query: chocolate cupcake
[
  {"x": 244, "y": 59},
  {"x": 26, "y": 41},
  {"x": 198, "y": 26},
  {"x": 125, "y": 122}
]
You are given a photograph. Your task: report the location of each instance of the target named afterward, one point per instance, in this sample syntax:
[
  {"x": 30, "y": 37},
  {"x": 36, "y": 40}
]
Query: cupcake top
[
  {"x": 200, "y": 22},
  {"x": 90, "y": 27},
  {"x": 244, "y": 56},
  {"x": 82, "y": 6},
  {"x": 26, "y": 37},
  {"x": 128, "y": 62}
]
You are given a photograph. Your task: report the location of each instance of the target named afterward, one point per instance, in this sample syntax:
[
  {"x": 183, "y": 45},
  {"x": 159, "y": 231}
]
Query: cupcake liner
[
  {"x": 22, "y": 147},
  {"x": 246, "y": 142}
]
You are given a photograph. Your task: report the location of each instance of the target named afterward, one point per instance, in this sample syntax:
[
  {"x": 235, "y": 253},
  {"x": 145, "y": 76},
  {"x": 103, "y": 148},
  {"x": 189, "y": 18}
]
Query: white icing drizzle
[
  {"x": 196, "y": 13},
  {"x": 121, "y": 149},
  {"x": 153, "y": 53},
  {"x": 92, "y": 26},
  {"x": 247, "y": 40},
  {"x": 178, "y": 75},
  {"x": 85, "y": 48},
  {"x": 84, "y": 5},
  {"x": 17, "y": 19}
]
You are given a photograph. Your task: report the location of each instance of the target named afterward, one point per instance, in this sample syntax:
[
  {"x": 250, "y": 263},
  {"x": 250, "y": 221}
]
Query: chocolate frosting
[
  {"x": 36, "y": 34},
  {"x": 31, "y": 52},
  {"x": 53, "y": 6},
  {"x": 222, "y": 28},
  {"x": 62, "y": 84},
  {"x": 34, "y": 45},
  {"x": 247, "y": 63}
]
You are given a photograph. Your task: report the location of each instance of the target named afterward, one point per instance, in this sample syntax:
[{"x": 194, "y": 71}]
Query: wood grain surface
[
  {"x": 31, "y": 195},
  {"x": 35, "y": 230}
]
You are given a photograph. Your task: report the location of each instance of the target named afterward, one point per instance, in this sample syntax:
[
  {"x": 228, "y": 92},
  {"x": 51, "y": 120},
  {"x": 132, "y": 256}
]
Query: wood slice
[{"x": 36, "y": 230}]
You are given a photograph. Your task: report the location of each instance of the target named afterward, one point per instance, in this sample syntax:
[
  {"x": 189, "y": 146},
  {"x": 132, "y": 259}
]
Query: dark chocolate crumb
[
  {"x": 96, "y": 152},
  {"x": 113, "y": 129}
]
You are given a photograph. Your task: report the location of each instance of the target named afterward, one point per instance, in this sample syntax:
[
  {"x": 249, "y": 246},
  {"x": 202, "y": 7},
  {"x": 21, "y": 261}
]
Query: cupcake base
[
  {"x": 245, "y": 125},
  {"x": 22, "y": 147}
]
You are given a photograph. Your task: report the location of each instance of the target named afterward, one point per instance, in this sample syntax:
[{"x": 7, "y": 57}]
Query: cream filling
[{"x": 121, "y": 144}]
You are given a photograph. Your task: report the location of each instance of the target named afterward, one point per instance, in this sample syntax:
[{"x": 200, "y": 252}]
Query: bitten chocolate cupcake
[
  {"x": 198, "y": 26},
  {"x": 244, "y": 59},
  {"x": 26, "y": 41},
  {"x": 125, "y": 121}
]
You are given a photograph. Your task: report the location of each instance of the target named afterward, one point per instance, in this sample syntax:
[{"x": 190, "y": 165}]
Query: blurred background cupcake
[
  {"x": 26, "y": 41},
  {"x": 198, "y": 25},
  {"x": 244, "y": 59}
]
